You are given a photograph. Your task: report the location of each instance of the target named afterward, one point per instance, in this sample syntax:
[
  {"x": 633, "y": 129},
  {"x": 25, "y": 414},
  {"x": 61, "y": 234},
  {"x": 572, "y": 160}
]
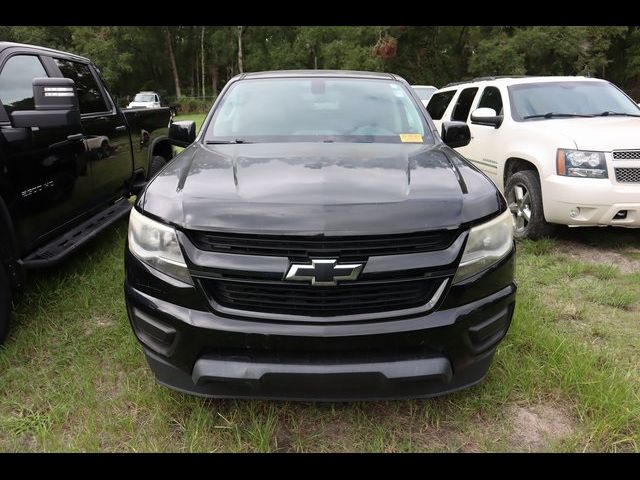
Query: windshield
[
  {"x": 424, "y": 93},
  {"x": 143, "y": 98},
  {"x": 568, "y": 98},
  {"x": 317, "y": 110}
]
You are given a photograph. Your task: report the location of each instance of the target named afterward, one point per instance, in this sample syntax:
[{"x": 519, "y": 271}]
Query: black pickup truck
[{"x": 69, "y": 159}]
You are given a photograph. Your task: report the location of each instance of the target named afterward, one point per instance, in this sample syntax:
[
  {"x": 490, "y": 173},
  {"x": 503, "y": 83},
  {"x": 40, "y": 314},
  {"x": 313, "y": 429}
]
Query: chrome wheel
[{"x": 519, "y": 202}]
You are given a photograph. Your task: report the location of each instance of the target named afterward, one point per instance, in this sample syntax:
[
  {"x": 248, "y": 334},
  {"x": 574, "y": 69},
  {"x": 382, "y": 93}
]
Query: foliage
[{"x": 135, "y": 58}]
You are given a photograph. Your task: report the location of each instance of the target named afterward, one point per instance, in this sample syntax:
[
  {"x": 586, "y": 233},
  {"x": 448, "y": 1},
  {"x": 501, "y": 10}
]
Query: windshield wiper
[
  {"x": 221, "y": 142},
  {"x": 556, "y": 115},
  {"x": 609, "y": 113}
]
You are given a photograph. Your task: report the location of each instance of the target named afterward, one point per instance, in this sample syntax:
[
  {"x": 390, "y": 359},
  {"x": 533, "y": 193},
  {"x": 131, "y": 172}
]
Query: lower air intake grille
[{"x": 628, "y": 175}]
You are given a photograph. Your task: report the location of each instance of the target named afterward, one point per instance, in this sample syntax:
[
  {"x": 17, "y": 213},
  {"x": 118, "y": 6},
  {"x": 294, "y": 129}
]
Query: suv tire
[{"x": 524, "y": 198}]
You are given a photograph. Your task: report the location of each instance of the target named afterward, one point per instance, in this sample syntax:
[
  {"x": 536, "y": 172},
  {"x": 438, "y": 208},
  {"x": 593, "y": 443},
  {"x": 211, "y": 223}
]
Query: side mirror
[
  {"x": 486, "y": 116},
  {"x": 56, "y": 105},
  {"x": 455, "y": 134},
  {"x": 182, "y": 134}
]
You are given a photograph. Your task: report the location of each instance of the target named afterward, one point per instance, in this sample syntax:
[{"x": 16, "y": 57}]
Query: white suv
[{"x": 564, "y": 150}]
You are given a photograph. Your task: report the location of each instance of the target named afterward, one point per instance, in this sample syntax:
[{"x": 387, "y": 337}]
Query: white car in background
[
  {"x": 145, "y": 100},
  {"x": 563, "y": 150},
  {"x": 424, "y": 92}
]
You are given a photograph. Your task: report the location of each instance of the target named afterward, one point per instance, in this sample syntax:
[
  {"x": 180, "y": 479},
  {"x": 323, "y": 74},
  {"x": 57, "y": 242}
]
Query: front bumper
[
  {"x": 593, "y": 201},
  {"x": 193, "y": 349}
]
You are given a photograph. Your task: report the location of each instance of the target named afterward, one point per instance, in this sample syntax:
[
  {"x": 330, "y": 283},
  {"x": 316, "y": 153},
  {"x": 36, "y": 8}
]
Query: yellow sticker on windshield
[{"x": 411, "y": 137}]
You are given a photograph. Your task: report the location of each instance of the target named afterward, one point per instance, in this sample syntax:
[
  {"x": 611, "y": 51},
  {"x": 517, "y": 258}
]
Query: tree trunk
[
  {"x": 196, "y": 72},
  {"x": 172, "y": 58},
  {"x": 315, "y": 59},
  {"x": 240, "y": 65},
  {"x": 202, "y": 62},
  {"x": 214, "y": 80}
]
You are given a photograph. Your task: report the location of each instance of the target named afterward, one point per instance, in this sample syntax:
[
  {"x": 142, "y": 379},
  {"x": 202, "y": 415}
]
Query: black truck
[
  {"x": 320, "y": 240},
  {"x": 69, "y": 159}
]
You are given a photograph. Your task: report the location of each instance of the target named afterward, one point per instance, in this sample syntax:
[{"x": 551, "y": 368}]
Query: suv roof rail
[{"x": 481, "y": 79}]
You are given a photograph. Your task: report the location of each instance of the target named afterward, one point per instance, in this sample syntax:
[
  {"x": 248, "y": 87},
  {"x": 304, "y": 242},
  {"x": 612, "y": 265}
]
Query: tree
[
  {"x": 202, "y": 60},
  {"x": 240, "y": 66},
  {"x": 172, "y": 59}
]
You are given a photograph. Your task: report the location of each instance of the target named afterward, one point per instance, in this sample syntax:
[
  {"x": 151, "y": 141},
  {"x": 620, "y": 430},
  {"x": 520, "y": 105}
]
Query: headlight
[
  {"x": 487, "y": 245},
  {"x": 581, "y": 163},
  {"x": 157, "y": 245}
]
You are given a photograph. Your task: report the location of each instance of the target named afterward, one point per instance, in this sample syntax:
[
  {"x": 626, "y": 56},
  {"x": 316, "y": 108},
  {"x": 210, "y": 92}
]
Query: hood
[
  {"x": 599, "y": 133},
  {"x": 318, "y": 188}
]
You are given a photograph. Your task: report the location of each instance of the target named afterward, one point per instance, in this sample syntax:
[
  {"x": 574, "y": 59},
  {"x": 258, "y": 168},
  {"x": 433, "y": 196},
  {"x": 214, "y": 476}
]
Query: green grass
[
  {"x": 196, "y": 117},
  {"x": 73, "y": 377}
]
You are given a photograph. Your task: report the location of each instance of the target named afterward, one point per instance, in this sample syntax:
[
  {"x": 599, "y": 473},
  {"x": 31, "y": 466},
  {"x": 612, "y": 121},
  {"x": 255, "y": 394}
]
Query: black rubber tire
[
  {"x": 537, "y": 226},
  {"x": 5, "y": 305},
  {"x": 155, "y": 165}
]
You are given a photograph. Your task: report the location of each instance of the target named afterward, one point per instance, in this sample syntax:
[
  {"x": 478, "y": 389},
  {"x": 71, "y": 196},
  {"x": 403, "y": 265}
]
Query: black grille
[
  {"x": 626, "y": 155},
  {"x": 345, "y": 299},
  {"x": 628, "y": 175},
  {"x": 306, "y": 246}
]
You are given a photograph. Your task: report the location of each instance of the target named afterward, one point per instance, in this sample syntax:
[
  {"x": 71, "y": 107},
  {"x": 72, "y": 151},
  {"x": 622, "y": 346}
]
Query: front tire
[
  {"x": 524, "y": 197},
  {"x": 155, "y": 165},
  {"x": 5, "y": 299}
]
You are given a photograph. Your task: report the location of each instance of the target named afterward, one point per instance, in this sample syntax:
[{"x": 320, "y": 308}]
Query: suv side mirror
[
  {"x": 56, "y": 105},
  {"x": 182, "y": 134},
  {"x": 455, "y": 134},
  {"x": 486, "y": 116}
]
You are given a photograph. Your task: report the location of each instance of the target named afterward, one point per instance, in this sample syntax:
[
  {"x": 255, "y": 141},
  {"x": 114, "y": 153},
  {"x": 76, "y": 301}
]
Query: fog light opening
[
  {"x": 621, "y": 215},
  {"x": 574, "y": 212}
]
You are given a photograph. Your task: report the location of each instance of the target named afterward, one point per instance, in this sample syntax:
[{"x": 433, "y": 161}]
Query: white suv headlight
[
  {"x": 581, "y": 163},
  {"x": 487, "y": 245},
  {"x": 157, "y": 245}
]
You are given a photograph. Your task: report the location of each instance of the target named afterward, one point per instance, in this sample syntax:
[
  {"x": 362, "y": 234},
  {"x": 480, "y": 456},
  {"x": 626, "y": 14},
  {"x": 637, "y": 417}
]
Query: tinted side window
[
  {"x": 463, "y": 105},
  {"x": 89, "y": 96},
  {"x": 16, "y": 89},
  {"x": 439, "y": 103},
  {"x": 491, "y": 98}
]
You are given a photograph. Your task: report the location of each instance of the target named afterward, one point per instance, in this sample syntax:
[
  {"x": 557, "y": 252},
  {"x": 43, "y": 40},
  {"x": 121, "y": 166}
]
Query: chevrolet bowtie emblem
[{"x": 323, "y": 272}]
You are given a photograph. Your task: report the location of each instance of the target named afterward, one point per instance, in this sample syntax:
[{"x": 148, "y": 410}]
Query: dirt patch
[
  {"x": 598, "y": 256},
  {"x": 103, "y": 321},
  {"x": 535, "y": 427},
  {"x": 337, "y": 433}
]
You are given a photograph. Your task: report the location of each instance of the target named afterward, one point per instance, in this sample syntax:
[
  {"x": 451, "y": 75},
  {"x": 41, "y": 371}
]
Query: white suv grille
[
  {"x": 628, "y": 175},
  {"x": 626, "y": 155}
]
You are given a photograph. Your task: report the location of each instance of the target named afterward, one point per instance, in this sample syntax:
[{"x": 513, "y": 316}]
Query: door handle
[
  {"x": 121, "y": 128},
  {"x": 75, "y": 137}
]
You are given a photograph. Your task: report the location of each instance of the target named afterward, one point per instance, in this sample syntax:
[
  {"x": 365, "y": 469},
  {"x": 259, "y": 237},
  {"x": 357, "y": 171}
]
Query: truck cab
[
  {"x": 145, "y": 100},
  {"x": 69, "y": 159}
]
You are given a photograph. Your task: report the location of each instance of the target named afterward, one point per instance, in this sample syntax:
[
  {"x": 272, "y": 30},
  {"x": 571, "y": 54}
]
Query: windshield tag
[{"x": 410, "y": 138}]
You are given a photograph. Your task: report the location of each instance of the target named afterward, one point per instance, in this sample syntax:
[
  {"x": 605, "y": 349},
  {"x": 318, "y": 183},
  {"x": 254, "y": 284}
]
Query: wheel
[
  {"x": 5, "y": 295},
  {"x": 155, "y": 165},
  {"x": 524, "y": 198},
  {"x": 104, "y": 149}
]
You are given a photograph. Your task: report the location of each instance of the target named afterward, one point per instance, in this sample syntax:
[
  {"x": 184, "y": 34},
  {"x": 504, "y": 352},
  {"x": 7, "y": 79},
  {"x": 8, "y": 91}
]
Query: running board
[{"x": 57, "y": 250}]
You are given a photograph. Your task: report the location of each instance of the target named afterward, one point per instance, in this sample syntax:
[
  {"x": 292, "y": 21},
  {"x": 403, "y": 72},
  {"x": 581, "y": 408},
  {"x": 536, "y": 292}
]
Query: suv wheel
[
  {"x": 524, "y": 198},
  {"x": 4, "y": 305}
]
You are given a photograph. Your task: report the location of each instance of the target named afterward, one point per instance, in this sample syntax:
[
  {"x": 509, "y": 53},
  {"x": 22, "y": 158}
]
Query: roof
[
  {"x": 515, "y": 80},
  {"x": 423, "y": 86},
  {"x": 318, "y": 73},
  {"x": 5, "y": 45}
]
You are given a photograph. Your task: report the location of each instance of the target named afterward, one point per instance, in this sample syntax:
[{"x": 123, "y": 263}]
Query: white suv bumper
[{"x": 586, "y": 201}]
